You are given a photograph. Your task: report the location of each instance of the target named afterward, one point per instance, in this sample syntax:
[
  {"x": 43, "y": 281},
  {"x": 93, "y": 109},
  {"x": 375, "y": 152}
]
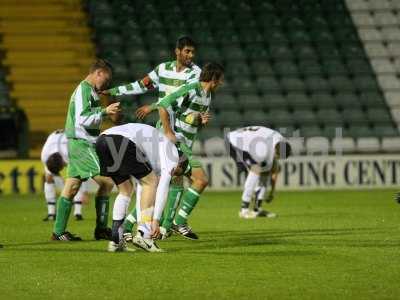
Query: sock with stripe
[
  {"x": 189, "y": 201},
  {"x": 50, "y": 195},
  {"x": 174, "y": 197},
  {"x": 259, "y": 197},
  {"x": 146, "y": 216},
  {"x": 78, "y": 202},
  {"x": 130, "y": 221},
  {"x": 63, "y": 212},
  {"x": 102, "y": 204}
]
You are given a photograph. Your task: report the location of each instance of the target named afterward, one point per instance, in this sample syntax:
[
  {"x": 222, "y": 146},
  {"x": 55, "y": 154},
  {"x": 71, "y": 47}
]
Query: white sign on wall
[{"x": 315, "y": 172}]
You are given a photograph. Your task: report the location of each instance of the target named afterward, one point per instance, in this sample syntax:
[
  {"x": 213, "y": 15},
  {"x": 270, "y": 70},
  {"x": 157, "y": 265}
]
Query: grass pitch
[{"x": 323, "y": 245}]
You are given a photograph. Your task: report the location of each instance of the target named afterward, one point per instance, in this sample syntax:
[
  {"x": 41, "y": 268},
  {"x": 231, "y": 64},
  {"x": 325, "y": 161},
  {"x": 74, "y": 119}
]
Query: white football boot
[
  {"x": 247, "y": 214},
  {"x": 146, "y": 244}
]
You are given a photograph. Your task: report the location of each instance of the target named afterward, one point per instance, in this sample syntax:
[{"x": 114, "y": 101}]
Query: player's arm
[
  {"x": 148, "y": 83},
  {"x": 163, "y": 106},
  {"x": 91, "y": 117}
]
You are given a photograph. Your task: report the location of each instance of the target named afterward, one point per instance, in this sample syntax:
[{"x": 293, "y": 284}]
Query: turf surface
[{"x": 323, "y": 245}]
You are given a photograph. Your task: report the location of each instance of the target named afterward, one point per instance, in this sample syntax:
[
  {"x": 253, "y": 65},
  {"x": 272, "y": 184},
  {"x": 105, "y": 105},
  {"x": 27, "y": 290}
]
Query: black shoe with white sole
[
  {"x": 185, "y": 231},
  {"x": 103, "y": 233},
  {"x": 66, "y": 236}
]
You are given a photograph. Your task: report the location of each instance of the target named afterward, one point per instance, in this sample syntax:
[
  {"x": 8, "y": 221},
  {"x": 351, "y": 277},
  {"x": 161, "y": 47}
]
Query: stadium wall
[{"x": 297, "y": 173}]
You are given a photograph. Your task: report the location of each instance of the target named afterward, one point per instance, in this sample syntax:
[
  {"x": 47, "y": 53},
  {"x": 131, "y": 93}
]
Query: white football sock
[
  {"x": 145, "y": 221},
  {"x": 78, "y": 203},
  {"x": 50, "y": 195},
  {"x": 121, "y": 205},
  {"x": 59, "y": 182}
]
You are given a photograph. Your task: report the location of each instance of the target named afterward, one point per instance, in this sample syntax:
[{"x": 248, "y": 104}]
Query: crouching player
[
  {"x": 143, "y": 152},
  {"x": 55, "y": 157},
  {"x": 257, "y": 150}
]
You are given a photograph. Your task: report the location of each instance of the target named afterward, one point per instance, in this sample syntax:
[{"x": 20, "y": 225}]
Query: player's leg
[
  {"x": 189, "y": 200},
  {"x": 132, "y": 217},
  {"x": 259, "y": 193},
  {"x": 64, "y": 206},
  {"x": 102, "y": 204},
  {"x": 250, "y": 185},
  {"x": 121, "y": 204},
  {"x": 259, "y": 197},
  {"x": 143, "y": 238},
  {"x": 78, "y": 199},
  {"x": 50, "y": 196},
  {"x": 174, "y": 196}
]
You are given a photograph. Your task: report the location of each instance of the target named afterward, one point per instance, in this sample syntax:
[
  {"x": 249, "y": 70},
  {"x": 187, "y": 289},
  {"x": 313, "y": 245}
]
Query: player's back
[
  {"x": 56, "y": 142},
  {"x": 153, "y": 143}
]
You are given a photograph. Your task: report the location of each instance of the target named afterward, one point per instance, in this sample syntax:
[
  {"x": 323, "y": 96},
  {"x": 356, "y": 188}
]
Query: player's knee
[
  {"x": 71, "y": 190},
  {"x": 105, "y": 186},
  {"x": 201, "y": 182}
]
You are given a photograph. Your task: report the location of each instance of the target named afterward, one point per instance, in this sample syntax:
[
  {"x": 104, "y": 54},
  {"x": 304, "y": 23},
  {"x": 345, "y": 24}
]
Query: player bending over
[
  {"x": 82, "y": 129},
  {"x": 55, "y": 157},
  {"x": 257, "y": 149},
  {"x": 143, "y": 152}
]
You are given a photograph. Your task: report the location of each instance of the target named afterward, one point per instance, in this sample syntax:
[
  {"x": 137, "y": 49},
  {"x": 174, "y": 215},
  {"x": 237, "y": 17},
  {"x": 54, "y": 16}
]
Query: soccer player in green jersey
[
  {"x": 188, "y": 106},
  {"x": 167, "y": 77},
  {"x": 82, "y": 128},
  {"x": 185, "y": 104}
]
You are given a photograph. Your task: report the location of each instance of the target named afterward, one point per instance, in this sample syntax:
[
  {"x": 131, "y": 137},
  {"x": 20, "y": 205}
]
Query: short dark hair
[
  {"x": 211, "y": 71},
  {"x": 55, "y": 163},
  {"x": 285, "y": 150},
  {"x": 101, "y": 64},
  {"x": 185, "y": 41}
]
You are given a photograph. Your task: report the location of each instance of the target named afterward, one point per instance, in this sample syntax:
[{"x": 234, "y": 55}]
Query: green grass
[{"x": 323, "y": 245}]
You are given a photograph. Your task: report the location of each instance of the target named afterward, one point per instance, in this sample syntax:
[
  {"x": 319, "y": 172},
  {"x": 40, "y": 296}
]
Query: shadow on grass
[{"x": 217, "y": 242}]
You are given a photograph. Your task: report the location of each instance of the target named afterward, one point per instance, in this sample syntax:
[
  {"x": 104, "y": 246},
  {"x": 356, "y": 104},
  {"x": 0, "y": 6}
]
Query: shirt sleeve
[
  {"x": 89, "y": 117},
  {"x": 149, "y": 82},
  {"x": 172, "y": 98}
]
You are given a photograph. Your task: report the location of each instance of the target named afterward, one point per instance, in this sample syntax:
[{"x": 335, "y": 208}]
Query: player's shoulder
[
  {"x": 166, "y": 65},
  {"x": 195, "y": 69}
]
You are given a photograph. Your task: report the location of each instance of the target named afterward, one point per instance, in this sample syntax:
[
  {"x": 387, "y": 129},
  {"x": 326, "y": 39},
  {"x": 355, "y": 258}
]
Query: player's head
[
  {"x": 100, "y": 74},
  {"x": 213, "y": 73},
  {"x": 182, "y": 165},
  {"x": 283, "y": 150},
  {"x": 55, "y": 163},
  {"x": 185, "y": 50}
]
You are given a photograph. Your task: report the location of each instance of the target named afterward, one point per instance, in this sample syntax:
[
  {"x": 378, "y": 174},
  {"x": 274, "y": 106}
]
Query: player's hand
[
  {"x": 205, "y": 118},
  {"x": 171, "y": 136},
  {"x": 143, "y": 111},
  {"x": 113, "y": 108},
  {"x": 269, "y": 198},
  {"x": 155, "y": 229}
]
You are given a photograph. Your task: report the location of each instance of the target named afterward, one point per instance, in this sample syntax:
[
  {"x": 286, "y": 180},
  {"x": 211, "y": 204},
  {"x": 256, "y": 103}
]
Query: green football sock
[
  {"x": 174, "y": 196},
  {"x": 63, "y": 211},
  {"x": 130, "y": 221},
  {"x": 102, "y": 204},
  {"x": 189, "y": 201}
]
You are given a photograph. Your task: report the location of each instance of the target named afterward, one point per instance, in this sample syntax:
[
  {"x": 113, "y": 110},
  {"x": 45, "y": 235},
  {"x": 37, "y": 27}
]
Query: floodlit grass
[{"x": 323, "y": 245}]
